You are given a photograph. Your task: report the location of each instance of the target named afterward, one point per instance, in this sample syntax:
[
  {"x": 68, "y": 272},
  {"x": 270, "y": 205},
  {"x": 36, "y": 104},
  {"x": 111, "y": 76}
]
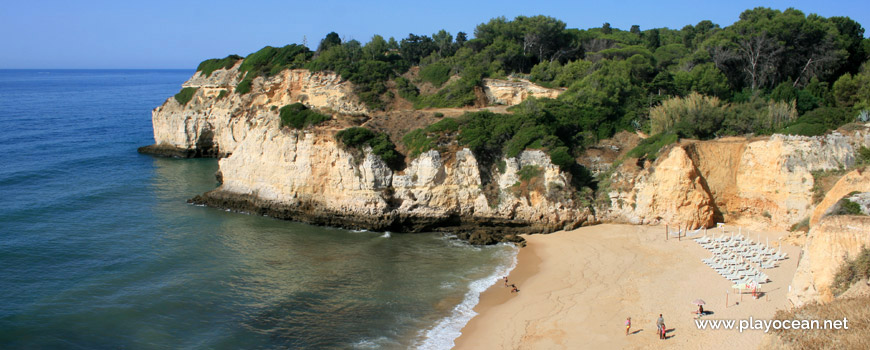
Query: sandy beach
[{"x": 577, "y": 288}]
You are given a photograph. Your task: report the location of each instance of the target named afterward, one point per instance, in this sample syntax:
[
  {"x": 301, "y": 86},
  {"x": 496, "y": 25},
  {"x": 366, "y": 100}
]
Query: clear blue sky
[{"x": 180, "y": 34}]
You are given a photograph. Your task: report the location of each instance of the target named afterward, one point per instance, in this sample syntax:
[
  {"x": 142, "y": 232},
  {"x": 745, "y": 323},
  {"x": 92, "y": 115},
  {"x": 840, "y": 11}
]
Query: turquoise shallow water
[{"x": 98, "y": 249}]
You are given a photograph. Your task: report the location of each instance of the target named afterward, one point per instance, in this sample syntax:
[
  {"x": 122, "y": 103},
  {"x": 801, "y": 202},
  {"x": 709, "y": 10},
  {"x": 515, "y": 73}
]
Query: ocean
[{"x": 99, "y": 249}]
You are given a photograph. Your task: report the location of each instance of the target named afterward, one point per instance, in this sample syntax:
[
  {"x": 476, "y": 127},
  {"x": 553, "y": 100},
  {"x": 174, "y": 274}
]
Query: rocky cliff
[
  {"x": 829, "y": 244},
  {"x": 830, "y": 241},
  {"x": 306, "y": 175},
  {"x": 504, "y": 92},
  {"x": 762, "y": 183},
  {"x": 216, "y": 119}
]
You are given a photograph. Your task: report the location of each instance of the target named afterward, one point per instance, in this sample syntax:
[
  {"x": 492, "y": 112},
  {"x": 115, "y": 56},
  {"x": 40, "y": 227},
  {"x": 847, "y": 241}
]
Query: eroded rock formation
[
  {"x": 504, "y": 92},
  {"x": 763, "y": 183},
  {"x": 829, "y": 244}
]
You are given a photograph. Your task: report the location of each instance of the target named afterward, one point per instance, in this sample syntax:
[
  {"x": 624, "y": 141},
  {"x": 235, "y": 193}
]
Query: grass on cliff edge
[
  {"x": 358, "y": 137},
  {"x": 185, "y": 95},
  {"x": 298, "y": 116},
  {"x": 209, "y": 66},
  {"x": 853, "y": 309},
  {"x": 852, "y": 271}
]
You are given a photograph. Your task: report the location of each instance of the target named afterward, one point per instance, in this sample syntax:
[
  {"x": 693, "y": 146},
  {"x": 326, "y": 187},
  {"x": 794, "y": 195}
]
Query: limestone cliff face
[
  {"x": 216, "y": 119},
  {"x": 505, "y": 92},
  {"x": 855, "y": 181},
  {"x": 763, "y": 183},
  {"x": 830, "y": 241},
  {"x": 829, "y": 244},
  {"x": 307, "y": 176},
  {"x": 670, "y": 193}
]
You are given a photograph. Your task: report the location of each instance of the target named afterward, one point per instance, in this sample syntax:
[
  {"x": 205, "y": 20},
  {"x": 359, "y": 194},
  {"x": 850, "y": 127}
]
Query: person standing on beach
[
  {"x": 627, "y": 325},
  {"x": 660, "y": 326}
]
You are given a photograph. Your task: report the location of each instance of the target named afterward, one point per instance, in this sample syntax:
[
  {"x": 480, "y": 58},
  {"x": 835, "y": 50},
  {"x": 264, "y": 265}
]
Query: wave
[
  {"x": 443, "y": 334},
  {"x": 386, "y": 235}
]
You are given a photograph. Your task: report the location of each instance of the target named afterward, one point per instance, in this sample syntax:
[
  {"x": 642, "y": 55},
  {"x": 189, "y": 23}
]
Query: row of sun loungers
[{"x": 740, "y": 260}]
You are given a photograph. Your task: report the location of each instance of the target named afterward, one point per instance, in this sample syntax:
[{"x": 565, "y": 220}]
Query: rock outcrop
[
  {"x": 759, "y": 183},
  {"x": 829, "y": 244},
  {"x": 216, "y": 119},
  {"x": 671, "y": 193},
  {"x": 830, "y": 241},
  {"x": 306, "y": 175},
  {"x": 855, "y": 181},
  {"x": 512, "y": 92}
]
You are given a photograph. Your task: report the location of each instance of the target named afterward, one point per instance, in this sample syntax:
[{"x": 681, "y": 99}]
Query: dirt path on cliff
[{"x": 397, "y": 123}]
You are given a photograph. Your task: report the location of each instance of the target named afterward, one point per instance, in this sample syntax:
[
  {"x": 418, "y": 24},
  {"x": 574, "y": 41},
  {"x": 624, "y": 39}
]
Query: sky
[{"x": 42, "y": 34}]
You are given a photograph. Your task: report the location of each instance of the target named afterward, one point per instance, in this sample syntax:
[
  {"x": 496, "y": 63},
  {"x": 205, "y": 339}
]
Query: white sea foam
[
  {"x": 386, "y": 235},
  {"x": 442, "y": 335}
]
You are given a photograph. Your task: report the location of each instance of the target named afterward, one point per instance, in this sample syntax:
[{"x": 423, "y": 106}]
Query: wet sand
[{"x": 577, "y": 287}]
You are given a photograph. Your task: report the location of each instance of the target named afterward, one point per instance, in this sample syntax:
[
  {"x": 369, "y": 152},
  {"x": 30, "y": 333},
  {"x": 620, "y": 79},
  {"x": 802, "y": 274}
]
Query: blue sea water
[{"x": 98, "y": 249}]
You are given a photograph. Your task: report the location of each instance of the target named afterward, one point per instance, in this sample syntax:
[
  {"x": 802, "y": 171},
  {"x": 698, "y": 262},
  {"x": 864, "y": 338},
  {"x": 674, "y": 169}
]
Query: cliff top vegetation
[{"x": 771, "y": 71}]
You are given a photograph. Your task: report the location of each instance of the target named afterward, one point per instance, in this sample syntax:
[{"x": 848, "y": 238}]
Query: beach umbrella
[{"x": 699, "y": 302}]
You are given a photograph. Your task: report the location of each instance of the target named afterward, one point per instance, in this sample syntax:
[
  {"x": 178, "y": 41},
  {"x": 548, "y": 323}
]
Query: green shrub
[
  {"x": 651, "y": 146},
  {"x": 529, "y": 172},
  {"x": 244, "y": 86},
  {"x": 298, "y": 116},
  {"x": 357, "y": 137},
  {"x": 803, "y": 225},
  {"x": 424, "y": 139},
  {"x": 863, "y": 157},
  {"x": 407, "y": 90},
  {"x": 185, "y": 95},
  {"x": 561, "y": 157},
  {"x": 851, "y": 272},
  {"x": 695, "y": 116},
  {"x": 222, "y": 94},
  {"x": 847, "y": 207},
  {"x": 209, "y": 66},
  {"x": 271, "y": 60},
  {"x": 459, "y": 93},
  {"x": 819, "y": 121},
  {"x": 805, "y": 129},
  {"x": 436, "y": 73}
]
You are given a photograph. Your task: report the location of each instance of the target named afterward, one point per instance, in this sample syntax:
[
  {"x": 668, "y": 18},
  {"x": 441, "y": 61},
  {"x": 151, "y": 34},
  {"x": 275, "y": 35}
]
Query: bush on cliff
[
  {"x": 358, "y": 137},
  {"x": 244, "y": 86},
  {"x": 459, "y": 93},
  {"x": 425, "y": 139},
  {"x": 298, "y": 116},
  {"x": 852, "y": 271},
  {"x": 209, "y": 66},
  {"x": 695, "y": 116},
  {"x": 436, "y": 73},
  {"x": 819, "y": 121},
  {"x": 847, "y": 207},
  {"x": 185, "y": 95},
  {"x": 649, "y": 148},
  {"x": 272, "y": 60}
]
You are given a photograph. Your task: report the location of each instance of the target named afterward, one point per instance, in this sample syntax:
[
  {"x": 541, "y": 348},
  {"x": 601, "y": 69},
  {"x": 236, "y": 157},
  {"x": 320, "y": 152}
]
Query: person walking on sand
[
  {"x": 505, "y": 281},
  {"x": 660, "y": 327},
  {"x": 627, "y": 325}
]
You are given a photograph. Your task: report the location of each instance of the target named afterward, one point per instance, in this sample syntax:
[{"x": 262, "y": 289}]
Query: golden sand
[{"x": 577, "y": 288}]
